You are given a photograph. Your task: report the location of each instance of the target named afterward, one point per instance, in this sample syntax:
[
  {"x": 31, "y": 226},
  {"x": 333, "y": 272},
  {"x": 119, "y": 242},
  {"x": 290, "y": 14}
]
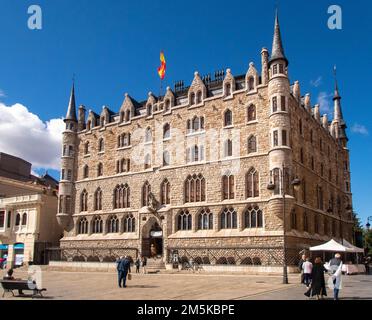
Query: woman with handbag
[{"x": 317, "y": 280}]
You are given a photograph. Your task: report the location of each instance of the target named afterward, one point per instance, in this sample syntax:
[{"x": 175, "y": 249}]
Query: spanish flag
[{"x": 163, "y": 67}]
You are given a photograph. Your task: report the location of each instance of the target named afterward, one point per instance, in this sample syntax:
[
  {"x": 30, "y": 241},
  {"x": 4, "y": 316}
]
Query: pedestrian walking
[
  {"x": 123, "y": 268},
  {"x": 367, "y": 261},
  {"x": 307, "y": 268},
  {"x": 301, "y": 262},
  {"x": 143, "y": 264},
  {"x": 138, "y": 264},
  {"x": 317, "y": 287},
  {"x": 335, "y": 280}
]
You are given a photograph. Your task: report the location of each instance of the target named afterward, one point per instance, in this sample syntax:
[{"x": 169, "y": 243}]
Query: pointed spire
[
  {"x": 71, "y": 111},
  {"x": 337, "y": 94},
  {"x": 337, "y": 100},
  {"x": 277, "y": 51}
]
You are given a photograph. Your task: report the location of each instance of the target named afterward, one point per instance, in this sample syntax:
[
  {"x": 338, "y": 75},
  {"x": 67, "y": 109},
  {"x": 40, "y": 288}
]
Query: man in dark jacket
[{"x": 123, "y": 267}]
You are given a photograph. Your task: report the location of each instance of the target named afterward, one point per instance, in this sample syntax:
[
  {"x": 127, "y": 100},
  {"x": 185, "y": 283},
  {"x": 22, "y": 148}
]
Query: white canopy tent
[
  {"x": 354, "y": 248},
  {"x": 333, "y": 246}
]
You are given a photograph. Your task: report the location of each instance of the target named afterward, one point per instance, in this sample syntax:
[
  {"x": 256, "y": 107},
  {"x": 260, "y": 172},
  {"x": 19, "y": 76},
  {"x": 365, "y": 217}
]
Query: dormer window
[
  {"x": 101, "y": 145},
  {"x": 103, "y": 121},
  {"x": 127, "y": 116},
  {"x": 149, "y": 110},
  {"x": 250, "y": 83},
  {"x": 167, "y": 105},
  {"x": 275, "y": 69},
  {"x": 192, "y": 98},
  {"x": 281, "y": 68},
  {"x": 228, "y": 89},
  {"x": 199, "y": 97}
]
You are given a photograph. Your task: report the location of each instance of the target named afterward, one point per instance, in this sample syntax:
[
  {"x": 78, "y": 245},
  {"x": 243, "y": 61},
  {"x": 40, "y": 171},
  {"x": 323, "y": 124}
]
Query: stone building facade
[{"x": 188, "y": 172}]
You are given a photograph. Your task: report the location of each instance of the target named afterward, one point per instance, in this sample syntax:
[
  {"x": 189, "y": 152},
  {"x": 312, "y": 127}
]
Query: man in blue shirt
[{"x": 123, "y": 267}]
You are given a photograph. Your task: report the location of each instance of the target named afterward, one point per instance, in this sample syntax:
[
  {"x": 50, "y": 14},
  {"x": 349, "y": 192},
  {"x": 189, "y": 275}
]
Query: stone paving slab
[{"x": 103, "y": 286}]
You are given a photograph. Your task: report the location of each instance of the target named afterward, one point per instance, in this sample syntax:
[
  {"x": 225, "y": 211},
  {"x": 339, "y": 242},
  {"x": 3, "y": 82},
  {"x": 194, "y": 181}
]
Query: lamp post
[
  {"x": 368, "y": 225},
  {"x": 271, "y": 186}
]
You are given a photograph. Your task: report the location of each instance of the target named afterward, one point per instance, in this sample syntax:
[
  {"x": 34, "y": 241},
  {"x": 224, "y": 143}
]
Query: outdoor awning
[
  {"x": 19, "y": 246},
  {"x": 352, "y": 247},
  {"x": 3, "y": 247},
  {"x": 333, "y": 246}
]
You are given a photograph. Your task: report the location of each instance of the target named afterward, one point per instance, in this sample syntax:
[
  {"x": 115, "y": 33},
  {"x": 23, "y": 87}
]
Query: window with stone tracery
[
  {"x": 122, "y": 196},
  {"x": 229, "y": 219},
  {"x": 205, "y": 220},
  {"x": 129, "y": 224},
  {"x": 184, "y": 221},
  {"x": 253, "y": 217},
  {"x": 195, "y": 188}
]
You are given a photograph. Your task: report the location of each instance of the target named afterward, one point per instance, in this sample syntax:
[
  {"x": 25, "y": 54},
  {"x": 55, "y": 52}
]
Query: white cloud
[
  {"x": 360, "y": 129},
  {"x": 316, "y": 83},
  {"x": 324, "y": 100},
  {"x": 25, "y": 135}
]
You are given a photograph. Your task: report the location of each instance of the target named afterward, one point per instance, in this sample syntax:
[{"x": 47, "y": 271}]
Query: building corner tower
[{"x": 66, "y": 198}]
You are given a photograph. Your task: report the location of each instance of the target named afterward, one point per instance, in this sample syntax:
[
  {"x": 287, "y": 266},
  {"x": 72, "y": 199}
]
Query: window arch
[
  {"x": 228, "y": 186},
  {"x": 252, "y": 144},
  {"x": 129, "y": 224},
  {"x": 84, "y": 201},
  {"x": 228, "y": 148},
  {"x": 229, "y": 219},
  {"x": 306, "y": 222},
  {"x": 205, "y": 220},
  {"x": 192, "y": 98},
  {"x": 86, "y": 172},
  {"x": 147, "y": 161},
  {"x": 250, "y": 83},
  {"x": 195, "y": 188},
  {"x": 166, "y": 131},
  {"x": 228, "y": 89},
  {"x": 199, "y": 97},
  {"x": 253, "y": 217},
  {"x": 146, "y": 190},
  {"x": 98, "y": 199},
  {"x": 195, "y": 124},
  {"x": 165, "y": 192},
  {"x": 167, "y": 105},
  {"x": 228, "y": 118},
  {"x": 184, "y": 221},
  {"x": 101, "y": 145},
  {"x": 113, "y": 224},
  {"x": 166, "y": 158},
  {"x": 149, "y": 110},
  {"x": 86, "y": 148},
  {"x": 122, "y": 196},
  {"x": 97, "y": 225},
  {"x": 83, "y": 226},
  {"x": 24, "y": 219},
  {"x": 251, "y": 113},
  {"x": 123, "y": 165},
  {"x": 100, "y": 170},
  {"x": 148, "y": 135},
  {"x": 18, "y": 220},
  {"x": 127, "y": 116},
  {"x": 252, "y": 184},
  {"x": 275, "y": 175}
]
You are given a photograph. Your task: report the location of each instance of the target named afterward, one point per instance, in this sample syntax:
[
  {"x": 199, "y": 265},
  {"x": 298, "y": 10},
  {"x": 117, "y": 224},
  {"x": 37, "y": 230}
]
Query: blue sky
[{"x": 113, "y": 47}]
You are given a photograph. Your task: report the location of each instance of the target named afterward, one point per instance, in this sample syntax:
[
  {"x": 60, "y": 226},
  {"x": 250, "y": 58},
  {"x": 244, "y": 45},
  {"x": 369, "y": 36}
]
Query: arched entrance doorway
[{"x": 152, "y": 239}]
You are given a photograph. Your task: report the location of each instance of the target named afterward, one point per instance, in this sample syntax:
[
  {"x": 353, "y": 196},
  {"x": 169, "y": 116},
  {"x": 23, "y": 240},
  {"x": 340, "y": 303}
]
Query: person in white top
[{"x": 307, "y": 267}]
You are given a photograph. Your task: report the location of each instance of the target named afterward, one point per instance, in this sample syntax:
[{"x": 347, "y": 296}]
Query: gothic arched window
[
  {"x": 122, "y": 196},
  {"x": 147, "y": 161},
  {"x": 228, "y": 187},
  {"x": 113, "y": 225},
  {"x": 229, "y": 219},
  {"x": 166, "y": 158},
  {"x": 228, "y": 148},
  {"x": 97, "y": 225},
  {"x": 146, "y": 189},
  {"x": 129, "y": 224},
  {"x": 83, "y": 226},
  {"x": 252, "y": 144},
  {"x": 253, "y": 217},
  {"x": 166, "y": 131},
  {"x": 184, "y": 221},
  {"x": 199, "y": 97},
  {"x": 84, "y": 201},
  {"x": 24, "y": 219},
  {"x": 251, "y": 113},
  {"x": 165, "y": 192},
  {"x": 294, "y": 220},
  {"x": 195, "y": 188},
  {"x": 98, "y": 199},
  {"x": 205, "y": 220},
  {"x": 192, "y": 98},
  {"x": 101, "y": 145},
  {"x": 252, "y": 184},
  {"x": 228, "y": 118},
  {"x": 100, "y": 170},
  {"x": 18, "y": 219},
  {"x": 86, "y": 172},
  {"x": 250, "y": 83},
  {"x": 227, "y": 89}
]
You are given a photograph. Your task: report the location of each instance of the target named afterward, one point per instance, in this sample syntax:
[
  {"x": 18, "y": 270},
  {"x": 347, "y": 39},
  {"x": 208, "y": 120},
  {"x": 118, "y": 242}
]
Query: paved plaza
[{"x": 103, "y": 286}]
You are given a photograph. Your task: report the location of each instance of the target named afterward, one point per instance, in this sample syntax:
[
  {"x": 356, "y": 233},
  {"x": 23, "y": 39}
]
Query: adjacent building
[
  {"x": 28, "y": 204},
  {"x": 201, "y": 171}
]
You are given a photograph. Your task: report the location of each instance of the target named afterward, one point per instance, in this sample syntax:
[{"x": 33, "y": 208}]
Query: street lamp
[{"x": 271, "y": 186}]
